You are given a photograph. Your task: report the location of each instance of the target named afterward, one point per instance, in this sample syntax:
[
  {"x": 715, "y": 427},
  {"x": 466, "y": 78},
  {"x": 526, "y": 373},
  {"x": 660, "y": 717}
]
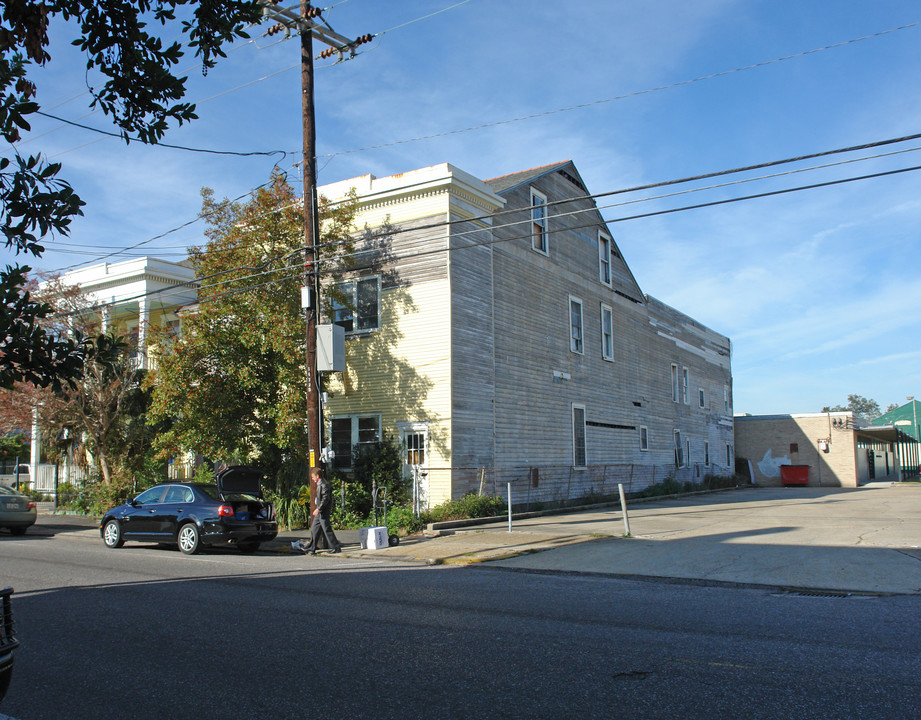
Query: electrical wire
[
  {"x": 501, "y": 213},
  {"x": 626, "y": 96},
  {"x": 296, "y": 271}
]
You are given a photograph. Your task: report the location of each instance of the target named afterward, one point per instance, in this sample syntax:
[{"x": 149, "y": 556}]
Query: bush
[
  {"x": 403, "y": 521},
  {"x": 291, "y": 510},
  {"x": 469, "y": 506}
]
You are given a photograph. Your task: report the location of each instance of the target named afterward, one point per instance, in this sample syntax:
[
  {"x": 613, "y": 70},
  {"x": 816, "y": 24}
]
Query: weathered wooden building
[{"x": 505, "y": 339}]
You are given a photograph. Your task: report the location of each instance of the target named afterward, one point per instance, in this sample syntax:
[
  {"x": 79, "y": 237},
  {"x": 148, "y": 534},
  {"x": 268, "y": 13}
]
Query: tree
[
  {"x": 233, "y": 384},
  {"x": 140, "y": 92},
  {"x": 859, "y": 405}
]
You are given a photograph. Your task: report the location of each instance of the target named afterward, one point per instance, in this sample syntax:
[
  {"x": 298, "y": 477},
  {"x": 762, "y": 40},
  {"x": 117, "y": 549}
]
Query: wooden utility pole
[
  {"x": 309, "y": 23},
  {"x": 311, "y": 237}
]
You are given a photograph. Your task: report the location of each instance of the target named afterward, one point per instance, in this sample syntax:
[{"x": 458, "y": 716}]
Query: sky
[{"x": 819, "y": 289}]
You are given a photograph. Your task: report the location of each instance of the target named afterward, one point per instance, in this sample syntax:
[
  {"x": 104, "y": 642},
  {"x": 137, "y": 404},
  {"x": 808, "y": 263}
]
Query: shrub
[
  {"x": 291, "y": 510},
  {"x": 403, "y": 521},
  {"x": 469, "y": 506}
]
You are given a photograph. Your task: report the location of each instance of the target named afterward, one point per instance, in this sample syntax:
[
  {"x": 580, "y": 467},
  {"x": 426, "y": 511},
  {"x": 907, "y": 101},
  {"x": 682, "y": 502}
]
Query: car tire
[
  {"x": 250, "y": 546},
  {"x": 189, "y": 539},
  {"x": 18, "y": 530},
  {"x": 393, "y": 540},
  {"x": 112, "y": 534}
]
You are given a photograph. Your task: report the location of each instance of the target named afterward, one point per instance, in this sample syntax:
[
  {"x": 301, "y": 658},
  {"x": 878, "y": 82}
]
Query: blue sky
[{"x": 819, "y": 290}]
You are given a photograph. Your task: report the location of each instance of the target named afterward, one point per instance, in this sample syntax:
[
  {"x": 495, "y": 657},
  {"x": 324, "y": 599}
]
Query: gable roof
[{"x": 507, "y": 182}]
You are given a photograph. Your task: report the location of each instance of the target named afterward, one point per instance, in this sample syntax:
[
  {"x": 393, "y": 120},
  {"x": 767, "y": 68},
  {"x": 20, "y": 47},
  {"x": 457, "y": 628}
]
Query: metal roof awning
[{"x": 883, "y": 433}]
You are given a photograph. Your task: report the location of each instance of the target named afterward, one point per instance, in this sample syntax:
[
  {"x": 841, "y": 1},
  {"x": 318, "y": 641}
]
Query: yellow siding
[{"x": 403, "y": 372}]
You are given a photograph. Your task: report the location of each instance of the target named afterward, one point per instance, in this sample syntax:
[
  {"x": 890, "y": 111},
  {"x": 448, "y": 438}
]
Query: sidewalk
[{"x": 865, "y": 540}]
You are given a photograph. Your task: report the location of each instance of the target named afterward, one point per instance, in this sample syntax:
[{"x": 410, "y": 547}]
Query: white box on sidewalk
[{"x": 373, "y": 538}]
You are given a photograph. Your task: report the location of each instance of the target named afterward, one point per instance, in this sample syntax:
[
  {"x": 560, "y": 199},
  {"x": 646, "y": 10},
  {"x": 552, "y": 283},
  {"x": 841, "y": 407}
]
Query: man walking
[{"x": 323, "y": 501}]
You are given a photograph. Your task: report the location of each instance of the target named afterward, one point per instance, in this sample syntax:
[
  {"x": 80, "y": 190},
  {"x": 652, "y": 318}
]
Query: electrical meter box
[{"x": 330, "y": 348}]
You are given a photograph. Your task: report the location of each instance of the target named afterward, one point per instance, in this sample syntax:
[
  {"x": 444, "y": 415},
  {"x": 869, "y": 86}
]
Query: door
[
  {"x": 141, "y": 518},
  {"x": 414, "y": 438}
]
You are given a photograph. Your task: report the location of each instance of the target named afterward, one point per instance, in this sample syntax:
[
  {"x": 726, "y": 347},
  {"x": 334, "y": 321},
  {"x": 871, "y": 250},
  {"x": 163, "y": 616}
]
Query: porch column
[
  {"x": 35, "y": 449},
  {"x": 143, "y": 320}
]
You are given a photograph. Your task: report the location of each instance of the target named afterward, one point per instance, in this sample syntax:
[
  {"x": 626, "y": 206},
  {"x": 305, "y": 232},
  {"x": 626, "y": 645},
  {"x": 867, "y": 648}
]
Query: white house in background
[{"x": 130, "y": 296}]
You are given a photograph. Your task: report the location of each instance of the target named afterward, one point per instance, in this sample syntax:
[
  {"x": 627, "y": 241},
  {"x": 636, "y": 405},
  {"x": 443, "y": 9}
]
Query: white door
[{"x": 414, "y": 439}]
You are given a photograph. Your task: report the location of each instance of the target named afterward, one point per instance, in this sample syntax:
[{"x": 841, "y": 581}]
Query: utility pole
[{"x": 308, "y": 22}]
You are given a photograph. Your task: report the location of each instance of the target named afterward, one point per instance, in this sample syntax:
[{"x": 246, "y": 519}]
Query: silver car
[{"x": 17, "y": 512}]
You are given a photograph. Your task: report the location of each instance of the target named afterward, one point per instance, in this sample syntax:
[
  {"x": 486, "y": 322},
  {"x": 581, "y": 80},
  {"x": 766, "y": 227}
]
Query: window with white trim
[
  {"x": 644, "y": 438},
  {"x": 604, "y": 258},
  {"x": 675, "y": 386},
  {"x": 607, "y": 332},
  {"x": 575, "y": 325},
  {"x": 701, "y": 398},
  {"x": 348, "y": 432},
  {"x": 578, "y": 435},
  {"x": 362, "y": 313},
  {"x": 729, "y": 462},
  {"x": 539, "y": 224},
  {"x": 685, "y": 380},
  {"x": 679, "y": 450},
  {"x": 706, "y": 453}
]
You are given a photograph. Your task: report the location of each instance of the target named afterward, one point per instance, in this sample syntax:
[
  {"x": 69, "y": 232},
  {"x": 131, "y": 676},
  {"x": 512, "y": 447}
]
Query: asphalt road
[{"x": 143, "y": 632}]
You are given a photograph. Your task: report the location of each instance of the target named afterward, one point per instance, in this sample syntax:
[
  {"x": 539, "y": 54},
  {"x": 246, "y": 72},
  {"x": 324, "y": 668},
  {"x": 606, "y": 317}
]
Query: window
[
  {"x": 604, "y": 258},
  {"x": 726, "y": 398},
  {"x": 679, "y": 450},
  {"x": 675, "y": 395},
  {"x": 706, "y": 453},
  {"x": 701, "y": 398},
  {"x": 578, "y": 435},
  {"x": 644, "y": 438},
  {"x": 575, "y": 325},
  {"x": 347, "y": 432},
  {"x": 729, "y": 455},
  {"x": 362, "y": 311},
  {"x": 684, "y": 386},
  {"x": 539, "y": 222},
  {"x": 607, "y": 333},
  {"x": 415, "y": 449},
  {"x": 178, "y": 494}
]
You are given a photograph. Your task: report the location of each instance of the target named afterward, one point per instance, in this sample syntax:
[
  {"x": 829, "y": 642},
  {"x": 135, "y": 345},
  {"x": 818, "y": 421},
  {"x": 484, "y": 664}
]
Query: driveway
[{"x": 856, "y": 540}]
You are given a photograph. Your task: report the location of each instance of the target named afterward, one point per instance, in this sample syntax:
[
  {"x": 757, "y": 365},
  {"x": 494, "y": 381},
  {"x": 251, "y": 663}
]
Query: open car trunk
[{"x": 237, "y": 480}]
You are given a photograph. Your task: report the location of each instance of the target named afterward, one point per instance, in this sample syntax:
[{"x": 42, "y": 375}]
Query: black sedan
[{"x": 230, "y": 512}]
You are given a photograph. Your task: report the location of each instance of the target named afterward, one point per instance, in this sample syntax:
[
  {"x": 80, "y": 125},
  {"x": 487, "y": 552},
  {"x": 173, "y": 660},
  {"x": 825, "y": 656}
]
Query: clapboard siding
[
  {"x": 532, "y": 292},
  {"x": 473, "y": 351},
  {"x": 475, "y": 339}
]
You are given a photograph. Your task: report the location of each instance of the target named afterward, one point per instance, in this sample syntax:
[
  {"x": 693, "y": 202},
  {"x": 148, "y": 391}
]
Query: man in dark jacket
[{"x": 323, "y": 500}]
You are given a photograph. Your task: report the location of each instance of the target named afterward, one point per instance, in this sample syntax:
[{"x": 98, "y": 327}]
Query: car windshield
[{"x": 212, "y": 492}]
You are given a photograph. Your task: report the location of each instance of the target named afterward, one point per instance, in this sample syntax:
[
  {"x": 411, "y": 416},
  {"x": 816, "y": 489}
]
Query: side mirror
[{"x": 134, "y": 503}]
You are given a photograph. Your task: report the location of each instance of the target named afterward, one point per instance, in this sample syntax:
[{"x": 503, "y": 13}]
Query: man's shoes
[
  {"x": 296, "y": 546},
  {"x": 337, "y": 550},
  {"x": 310, "y": 552}
]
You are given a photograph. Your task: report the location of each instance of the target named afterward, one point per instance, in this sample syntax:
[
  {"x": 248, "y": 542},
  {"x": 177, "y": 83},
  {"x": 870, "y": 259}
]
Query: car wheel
[
  {"x": 112, "y": 534},
  {"x": 393, "y": 540},
  {"x": 248, "y": 546},
  {"x": 18, "y": 530},
  {"x": 189, "y": 539}
]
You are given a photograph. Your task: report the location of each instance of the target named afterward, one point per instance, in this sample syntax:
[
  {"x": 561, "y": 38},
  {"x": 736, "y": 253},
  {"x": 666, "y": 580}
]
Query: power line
[
  {"x": 595, "y": 196},
  {"x": 626, "y": 96},
  {"x": 295, "y": 270}
]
